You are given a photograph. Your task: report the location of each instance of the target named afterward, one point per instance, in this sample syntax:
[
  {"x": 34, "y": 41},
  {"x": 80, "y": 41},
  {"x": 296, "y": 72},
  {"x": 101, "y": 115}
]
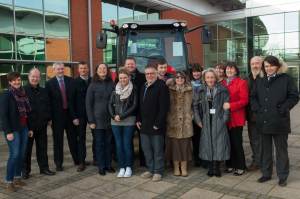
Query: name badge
[{"x": 212, "y": 111}]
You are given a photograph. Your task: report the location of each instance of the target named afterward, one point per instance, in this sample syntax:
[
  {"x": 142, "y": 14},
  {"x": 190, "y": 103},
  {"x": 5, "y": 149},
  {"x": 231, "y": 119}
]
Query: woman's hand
[
  {"x": 226, "y": 106},
  {"x": 117, "y": 118},
  {"x": 138, "y": 124},
  {"x": 200, "y": 124},
  {"x": 92, "y": 126},
  {"x": 10, "y": 136},
  {"x": 30, "y": 134}
]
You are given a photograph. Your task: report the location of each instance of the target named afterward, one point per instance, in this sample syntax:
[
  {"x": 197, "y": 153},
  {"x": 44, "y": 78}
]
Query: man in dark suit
[
  {"x": 60, "y": 91},
  {"x": 38, "y": 121},
  {"x": 78, "y": 111}
]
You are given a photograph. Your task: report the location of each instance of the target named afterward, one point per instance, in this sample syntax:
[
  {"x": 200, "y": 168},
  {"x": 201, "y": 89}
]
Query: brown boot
[
  {"x": 10, "y": 187},
  {"x": 253, "y": 167},
  {"x": 176, "y": 168},
  {"x": 183, "y": 166},
  {"x": 81, "y": 167},
  {"x": 19, "y": 183}
]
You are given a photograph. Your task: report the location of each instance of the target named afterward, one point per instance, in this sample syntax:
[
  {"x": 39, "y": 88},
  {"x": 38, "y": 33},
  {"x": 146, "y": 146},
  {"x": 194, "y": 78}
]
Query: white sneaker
[
  {"x": 121, "y": 173},
  {"x": 128, "y": 172}
]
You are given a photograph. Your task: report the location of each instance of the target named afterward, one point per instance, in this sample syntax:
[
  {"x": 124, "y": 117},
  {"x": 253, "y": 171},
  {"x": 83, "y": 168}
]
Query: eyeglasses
[{"x": 149, "y": 73}]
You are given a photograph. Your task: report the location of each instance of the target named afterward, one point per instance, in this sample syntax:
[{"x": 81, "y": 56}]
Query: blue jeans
[
  {"x": 123, "y": 138},
  {"x": 103, "y": 147},
  {"x": 17, "y": 148}
]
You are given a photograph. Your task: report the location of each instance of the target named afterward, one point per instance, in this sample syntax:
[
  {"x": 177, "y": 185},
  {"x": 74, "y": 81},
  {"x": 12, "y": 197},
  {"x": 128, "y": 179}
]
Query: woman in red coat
[{"x": 238, "y": 92}]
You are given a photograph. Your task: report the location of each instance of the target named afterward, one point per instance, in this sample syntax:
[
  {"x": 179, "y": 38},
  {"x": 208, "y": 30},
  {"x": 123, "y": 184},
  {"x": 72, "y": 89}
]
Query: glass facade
[
  {"x": 240, "y": 39},
  {"x": 121, "y": 11},
  {"x": 35, "y": 30}
]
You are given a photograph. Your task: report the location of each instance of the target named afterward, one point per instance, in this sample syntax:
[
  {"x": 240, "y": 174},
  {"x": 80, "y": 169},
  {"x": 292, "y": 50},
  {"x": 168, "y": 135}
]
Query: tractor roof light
[
  {"x": 112, "y": 22},
  {"x": 133, "y": 26},
  {"x": 125, "y": 25},
  {"x": 176, "y": 25},
  {"x": 183, "y": 24}
]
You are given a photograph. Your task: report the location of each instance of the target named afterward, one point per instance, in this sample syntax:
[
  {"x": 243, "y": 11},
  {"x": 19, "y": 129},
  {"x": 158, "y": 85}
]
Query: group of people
[{"x": 178, "y": 117}]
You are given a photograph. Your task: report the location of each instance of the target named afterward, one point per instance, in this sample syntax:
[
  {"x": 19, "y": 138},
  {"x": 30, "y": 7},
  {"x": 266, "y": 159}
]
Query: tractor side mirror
[
  {"x": 101, "y": 40},
  {"x": 206, "y": 35}
]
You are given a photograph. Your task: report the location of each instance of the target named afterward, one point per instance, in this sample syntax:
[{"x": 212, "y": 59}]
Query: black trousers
[
  {"x": 196, "y": 141},
  {"x": 237, "y": 155},
  {"x": 58, "y": 127},
  {"x": 255, "y": 142},
  {"x": 41, "y": 143},
  {"x": 282, "y": 157},
  {"x": 94, "y": 146},
  {"x": 81, "y": 139}
]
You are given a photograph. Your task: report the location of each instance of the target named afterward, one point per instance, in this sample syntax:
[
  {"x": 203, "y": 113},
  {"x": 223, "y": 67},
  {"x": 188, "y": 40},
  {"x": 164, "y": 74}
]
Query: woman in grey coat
[
  {"x": 210, "y": 114},
  {"x": 97, "y": 100}
]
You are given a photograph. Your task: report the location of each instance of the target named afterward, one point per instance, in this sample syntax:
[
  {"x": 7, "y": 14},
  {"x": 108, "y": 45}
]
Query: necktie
[{"x": 63, "y": 93}]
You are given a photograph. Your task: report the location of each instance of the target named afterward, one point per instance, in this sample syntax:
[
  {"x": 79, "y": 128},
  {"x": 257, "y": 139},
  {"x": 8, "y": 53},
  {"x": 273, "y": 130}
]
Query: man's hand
[
  {"x": 117, "y": 118},
  {"x": 138, "y": 124},
  {"x": 92, "y": 126},
  {"x": 76, "y": 122},
  {"x": 10, "y": 136},
  {"x": 30, "y": 134}
]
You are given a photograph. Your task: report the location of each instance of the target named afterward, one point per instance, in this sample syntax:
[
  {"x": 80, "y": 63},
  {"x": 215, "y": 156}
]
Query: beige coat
[{"x": 179, "y": 121}]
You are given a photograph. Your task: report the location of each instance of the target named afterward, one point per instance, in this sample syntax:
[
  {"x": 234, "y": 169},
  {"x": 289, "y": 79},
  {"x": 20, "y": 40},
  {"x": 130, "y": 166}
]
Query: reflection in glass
[
  {"x": 110, "y": 52},
  {"x": 6, "y": 2},
  {"x": 32, "y": 4},
  {"x": 58, "y": 6},
  {"x": 109, "y": 11},
  {"x": 267, "y": 42},
  {"x": 268, "y": 24},
  {"x": 30, "y": 48},
  {"x": 7, "y": 50},
  {"x": 29, "y": 22},
  {"x": 224, "y": 30},
  {"x": 57, "y": 49},
  {"x": 213, "y": 29},
  {"x": 57, "y": 25},
  {"x": 140, "y": 16},
  {"x": 153, "y": 14},
  {"x": 6, "y": 19},
  {"x": 292, "y": 40},
  {"x": 125, "y": 14},
  {"x": 292, "y": 54},
  {"x": 239, "y": 28},
  {"x": 292, "y": 21}
]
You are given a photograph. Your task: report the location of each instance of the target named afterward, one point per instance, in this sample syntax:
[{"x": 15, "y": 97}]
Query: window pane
[
  {"x": 33, "y": 4},
  {"x": 292, "y": 21},
  {"x": 109, "y": 11},
  {"x": 57, "y": 25},
  {"x": 140, "y": 13},
  {"x": 29, "y": 22},
  {"x": 291, "y": 54},
  {"x": 267, "y": 42},
  {"x": 57, "y": 49},
  {"x": 292, "y": 40},
  {"x": 7, "y": 50},
  {"x": 30, "y": 48},
  {"x": 239, "y": 28},
  {"x": 153, "y": 14},
  {"x": 59, "y": 6},
  {"x": 213, "y": 30},
  {"x": 224, "y": 30},
  {"x": 6, "y": 2},
  {"x": 125, "y": 13},
  {"x": 110, "y": 52},
  {"x": 6, "y": 19},
  {"x": 268, "y": 24}
]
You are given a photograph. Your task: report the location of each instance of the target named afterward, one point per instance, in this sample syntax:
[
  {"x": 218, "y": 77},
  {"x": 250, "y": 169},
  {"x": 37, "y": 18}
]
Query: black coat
[
  {"x": 138, "y": 79},
  {"x": 154, "y": 107},
  {"x": 56, "y": 102},
  {"x": 40, "y": 107},
  {"x": 77, "y": 107},
  {"x": 123, "y": 108},
  {"x": 10, "y": 115},
  {"x": 272, "y": 101},
  {"x": 251, "y": 116}
]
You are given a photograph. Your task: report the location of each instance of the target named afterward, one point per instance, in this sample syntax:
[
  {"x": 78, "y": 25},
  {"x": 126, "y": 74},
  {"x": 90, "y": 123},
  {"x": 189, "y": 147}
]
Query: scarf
[
  {"x": 22, "y": 101},
  {"x": 211, "y": 92},
  {"x": 124, "y": 92},
  {"x": 229, "y": 79}
]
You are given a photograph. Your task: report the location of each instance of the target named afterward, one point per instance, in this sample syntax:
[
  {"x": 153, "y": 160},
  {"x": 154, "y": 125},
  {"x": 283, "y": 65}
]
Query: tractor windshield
[{"x": 145, "y": 45}]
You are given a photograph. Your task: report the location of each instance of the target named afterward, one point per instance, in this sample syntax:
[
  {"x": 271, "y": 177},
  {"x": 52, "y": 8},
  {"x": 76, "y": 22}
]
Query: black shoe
[
  {"x": 110, "y": 170},
  {"x": 102, "y": 172},
  {"x": 60, "y": 168},
  {"x": 87, "y": 163},
  {"x": 81, "y": 168},
  {"x": 282, "y": 182},
  {"x": 210, "y": 173},
  {"x": 47, "y": 172},
  {"x": 263, "y": 179},
  {"x": 216, "y": 169},
  {"x": 239, "y": 172},
  {"x": 25, "y": 175}
]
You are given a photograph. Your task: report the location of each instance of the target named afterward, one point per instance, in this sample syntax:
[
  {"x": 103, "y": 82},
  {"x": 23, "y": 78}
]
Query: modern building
[{"x": 36, "y": 33}]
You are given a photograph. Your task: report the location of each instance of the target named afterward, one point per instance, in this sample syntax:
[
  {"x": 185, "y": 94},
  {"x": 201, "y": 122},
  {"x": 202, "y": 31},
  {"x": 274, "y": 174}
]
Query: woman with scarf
[
  {"x": 209, "y": 113},
  {"x": 239, "y": 97},
  {"x": 122, "y": 107},
  {"x": 14, "y": 115},
  {"x": 179, "y": 124}
]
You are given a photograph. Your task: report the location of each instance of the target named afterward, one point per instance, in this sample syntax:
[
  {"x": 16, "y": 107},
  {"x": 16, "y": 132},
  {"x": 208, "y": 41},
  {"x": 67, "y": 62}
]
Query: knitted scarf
[{"x": 22, "y": 101}]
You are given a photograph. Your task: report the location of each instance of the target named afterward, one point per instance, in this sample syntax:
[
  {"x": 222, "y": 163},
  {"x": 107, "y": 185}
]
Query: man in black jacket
[
  {"x": 78, "y": 111},
  {"x": 38, "y": 120},
  {"x": 154, "y": 106},
  {"x": 59, "y": 91},
  {"x": 138, "y": 79}
]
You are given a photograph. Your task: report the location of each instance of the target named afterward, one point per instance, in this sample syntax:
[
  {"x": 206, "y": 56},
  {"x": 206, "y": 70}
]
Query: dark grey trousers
[
  {"x": 281, "y": 150},
  {"x": 255, "y": 143},
  {"x": 153, "y": 148}
]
